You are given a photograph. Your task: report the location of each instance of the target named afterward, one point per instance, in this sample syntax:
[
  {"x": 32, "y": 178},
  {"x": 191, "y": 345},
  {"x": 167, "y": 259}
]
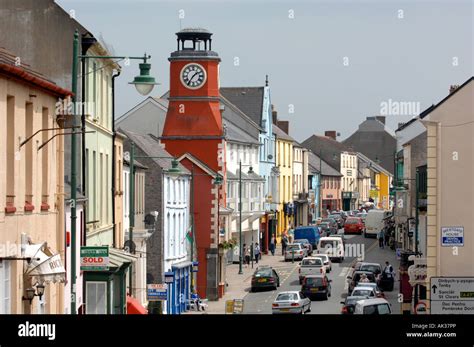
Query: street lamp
[
  {"x": 144, "y": 82},
  {"x": 31, "y": 293},
  {"x": 240, "y": 218}
]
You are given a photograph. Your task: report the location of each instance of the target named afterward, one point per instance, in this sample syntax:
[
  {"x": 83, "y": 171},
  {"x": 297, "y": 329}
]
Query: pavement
[{"x": 260, "y": 302}]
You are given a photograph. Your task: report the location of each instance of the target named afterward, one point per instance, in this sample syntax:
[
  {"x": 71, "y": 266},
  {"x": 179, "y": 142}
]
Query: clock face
[{"x": 193, "y": 76}]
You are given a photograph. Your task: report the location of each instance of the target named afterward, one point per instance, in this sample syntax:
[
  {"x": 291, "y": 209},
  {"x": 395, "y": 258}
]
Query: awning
[
  {"x": 45, "y": 266},
  {"x": 119, "y": 258},
  {"x": 134, "y": 307}
]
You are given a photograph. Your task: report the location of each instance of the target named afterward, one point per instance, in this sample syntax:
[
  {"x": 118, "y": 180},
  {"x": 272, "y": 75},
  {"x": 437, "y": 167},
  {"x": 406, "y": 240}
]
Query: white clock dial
[{"x": 193, "y": 76}]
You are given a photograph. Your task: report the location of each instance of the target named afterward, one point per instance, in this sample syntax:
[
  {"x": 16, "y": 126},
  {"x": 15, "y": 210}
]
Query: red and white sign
[{"x": 421, "y": 308}]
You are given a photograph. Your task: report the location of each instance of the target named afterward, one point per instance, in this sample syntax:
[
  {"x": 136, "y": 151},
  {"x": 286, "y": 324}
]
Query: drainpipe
[{"x": 114, "y": 241}]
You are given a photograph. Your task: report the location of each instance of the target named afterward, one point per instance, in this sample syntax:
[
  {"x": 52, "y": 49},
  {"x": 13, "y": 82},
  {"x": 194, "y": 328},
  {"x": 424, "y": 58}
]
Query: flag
[{"x": 189, "y": 234}]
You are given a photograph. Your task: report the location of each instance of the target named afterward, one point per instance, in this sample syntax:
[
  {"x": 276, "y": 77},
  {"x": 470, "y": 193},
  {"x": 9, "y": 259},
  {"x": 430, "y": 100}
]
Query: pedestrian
[
  {"x": 273, "y": 245},
  {"x": 256, "y": 252},
  {"x": 247, "y": 255},
  {"x": 381, "y": 238},
  {"x": 284, "y": 243},
  {"x": 387, "y": 237},
  {"x": 388, "y": 268},
  {"x": 364, "y": 279}
]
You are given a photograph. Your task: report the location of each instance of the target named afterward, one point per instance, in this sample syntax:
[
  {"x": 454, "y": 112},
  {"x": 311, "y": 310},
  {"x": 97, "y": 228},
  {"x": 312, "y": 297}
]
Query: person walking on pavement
[
  {"x": 284, "y": 243},
  {"x": 381, "y": 236},
  {"x": 256, "y": 252},
  {"x": 388, "y": 268},
  {"x": 247, "y": 255},
  {"x": 273, "y": 245}
]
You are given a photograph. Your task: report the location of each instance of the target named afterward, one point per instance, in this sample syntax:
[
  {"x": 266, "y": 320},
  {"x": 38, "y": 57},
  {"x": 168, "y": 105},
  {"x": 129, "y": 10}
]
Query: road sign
[
  {"x": 452, "y": 295},
  {"x": 157, "y": 292},
  {"x": 452, "y": 236},
  {"x": 420, "y": 308},
  {"x": 238, "y": 306},
  {"x": 95, "y": 258}
]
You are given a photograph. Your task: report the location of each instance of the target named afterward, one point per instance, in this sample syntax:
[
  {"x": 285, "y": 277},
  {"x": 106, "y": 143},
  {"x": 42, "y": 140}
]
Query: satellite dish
[
  {"x": 126, "y": 156},
  {"x": 129, "y": 246},
  {"x": 150, "y": 219},
  {"x": 270, "y": 156}
]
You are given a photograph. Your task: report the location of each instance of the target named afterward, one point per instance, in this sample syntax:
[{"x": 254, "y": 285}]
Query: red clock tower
[{"x": 193, "y": 131}]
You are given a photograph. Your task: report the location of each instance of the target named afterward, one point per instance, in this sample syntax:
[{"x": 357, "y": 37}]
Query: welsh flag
[{"x": 189, "y": 234}]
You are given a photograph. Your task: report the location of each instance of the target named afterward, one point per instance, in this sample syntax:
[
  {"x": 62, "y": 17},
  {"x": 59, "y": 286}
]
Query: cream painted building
[
  {"x": 300, "y": 184},
  {"x": 450, "y": 192},
  {"x": 31, "y": 189}
]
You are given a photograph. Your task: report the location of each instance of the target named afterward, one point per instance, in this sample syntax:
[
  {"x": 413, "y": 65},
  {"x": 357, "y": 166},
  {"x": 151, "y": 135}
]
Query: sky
[{"x": 330, "y": 64}]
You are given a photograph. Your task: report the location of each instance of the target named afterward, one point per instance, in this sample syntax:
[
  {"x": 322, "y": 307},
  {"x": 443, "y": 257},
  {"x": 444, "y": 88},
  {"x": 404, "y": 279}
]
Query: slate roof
[
  {"x": 234, "y": 133},
  {"x": 280, "y": 134},
  {"x": 313, "y": 161},
  {"x": 328, "y": 148},
  {"x": 248, "y": 99},
  {"x": 152, "y": 148}
]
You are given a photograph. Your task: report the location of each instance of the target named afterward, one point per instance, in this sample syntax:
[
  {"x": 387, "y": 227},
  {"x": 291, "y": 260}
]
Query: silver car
[
  {"x": 326, "y": 261},
  {"x": 291, "y": 302},
  {"x": 295, "y": 251}
]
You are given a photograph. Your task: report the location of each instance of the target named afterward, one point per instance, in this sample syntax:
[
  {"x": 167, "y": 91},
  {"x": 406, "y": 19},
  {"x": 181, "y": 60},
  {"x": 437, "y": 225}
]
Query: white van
[
  {"x": 332, "y": 246},
  {"x": 374, "y": 222}
]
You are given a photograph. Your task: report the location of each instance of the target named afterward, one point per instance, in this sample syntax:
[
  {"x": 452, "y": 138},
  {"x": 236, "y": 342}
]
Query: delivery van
[{"x": 374, "y": 222}]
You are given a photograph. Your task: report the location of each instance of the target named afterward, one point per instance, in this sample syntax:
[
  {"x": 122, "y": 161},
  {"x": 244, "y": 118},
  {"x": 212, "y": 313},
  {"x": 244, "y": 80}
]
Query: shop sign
[
  {"x": 452, "y": 236},
  {"x": 157, "y": 292}
]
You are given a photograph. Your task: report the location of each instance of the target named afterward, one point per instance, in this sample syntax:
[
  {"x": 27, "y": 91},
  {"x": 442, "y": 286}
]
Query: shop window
[
  {"x": 10, "y": 188},
  {"x": 96, "y": 297},
  {"x": 45, "y": 162}
]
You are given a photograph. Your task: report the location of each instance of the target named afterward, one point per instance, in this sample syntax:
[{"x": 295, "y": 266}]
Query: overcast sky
[{"x": 332, "y": 63}]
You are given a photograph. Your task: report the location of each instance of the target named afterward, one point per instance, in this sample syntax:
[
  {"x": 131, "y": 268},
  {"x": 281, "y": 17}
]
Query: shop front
[{"x": 179, "y": 284}]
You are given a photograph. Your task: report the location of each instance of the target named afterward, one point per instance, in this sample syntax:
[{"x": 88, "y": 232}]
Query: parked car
[
  {"x": 325, "y": 229},
  {"x": 332, "y": 246},
  {"x": 333, "y": 226},
  {"x": 326, "y": 261},
  {"x": 355, "y": 278},
  {"x": 338, "y": 218},
  {"x": 372, "y": 267},
  {"x": 341, "y": 236},
  {"x": 355, "y": 267},
  {"x": 360, "y": 290},
  {"x": 375, "y": 222},
  {"x": 317, "y": 286},
  {"x": 372, "y": 306},
  {"x": 311, "y": 266},
  {"x": 306, "y": 244},
  {"x": 291, "y": 302},
  {"x": 295, "y": 251},
  {"x": 310, "y": 233},
  {"x": 265, "y": 277},
  {"x": 378, "y": 292},
  {"x": 349, "y": 304},
  {"x": 354, "y": 225}
]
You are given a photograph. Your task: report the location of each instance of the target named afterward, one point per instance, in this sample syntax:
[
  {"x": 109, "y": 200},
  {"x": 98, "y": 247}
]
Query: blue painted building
[
  {"x": 314, "y": 187},
  {"x": 255, "y": 102}
]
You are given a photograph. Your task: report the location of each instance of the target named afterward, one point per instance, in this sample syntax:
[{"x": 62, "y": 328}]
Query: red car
[{"x": 354, "y": 225}]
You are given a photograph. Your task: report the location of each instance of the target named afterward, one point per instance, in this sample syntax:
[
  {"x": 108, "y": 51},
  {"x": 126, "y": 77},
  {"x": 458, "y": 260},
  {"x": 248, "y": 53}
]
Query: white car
[
  {"x": 373, "y": 306},
  {"x": 326, "y": 261},
  {"x": 291, "y": 302},
  {"x": 311, "y": 266},
  {"x": 360, "y": 290},
  {"x": 332, "y": 246}
]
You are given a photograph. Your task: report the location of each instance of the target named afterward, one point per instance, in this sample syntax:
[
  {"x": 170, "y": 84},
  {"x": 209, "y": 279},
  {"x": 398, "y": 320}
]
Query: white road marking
[{"x": 344, "y": 272}]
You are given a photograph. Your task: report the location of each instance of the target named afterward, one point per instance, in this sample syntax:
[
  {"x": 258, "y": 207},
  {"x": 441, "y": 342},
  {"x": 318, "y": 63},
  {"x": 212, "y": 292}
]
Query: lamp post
[
  {"x": 143, "y": 83},
  {"x": 252, "y": 255},
  {"x": 240, "y": 218}
]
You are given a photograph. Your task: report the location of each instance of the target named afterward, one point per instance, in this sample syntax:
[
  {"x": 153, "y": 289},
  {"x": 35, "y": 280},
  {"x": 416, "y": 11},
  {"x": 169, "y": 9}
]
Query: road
[{"x": 261, "y": 302}]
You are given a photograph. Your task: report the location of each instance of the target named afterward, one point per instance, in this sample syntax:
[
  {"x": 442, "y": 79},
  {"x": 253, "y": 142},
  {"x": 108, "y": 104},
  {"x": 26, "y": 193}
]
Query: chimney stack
[
  {"x": 284, "y": 125},
  {"x": 381, "y": 119},
  {"x": 274, "y": 116},
  {"x": 452, "y": 88},
  {"x": 331, "y": 134}
]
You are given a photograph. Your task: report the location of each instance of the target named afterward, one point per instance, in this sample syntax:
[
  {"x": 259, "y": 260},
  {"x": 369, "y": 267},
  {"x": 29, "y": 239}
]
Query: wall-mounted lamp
[{"x": 31, "y": 293}]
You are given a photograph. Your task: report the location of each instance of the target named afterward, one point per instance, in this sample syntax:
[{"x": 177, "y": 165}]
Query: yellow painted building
[{"x": 284, "y": 162}]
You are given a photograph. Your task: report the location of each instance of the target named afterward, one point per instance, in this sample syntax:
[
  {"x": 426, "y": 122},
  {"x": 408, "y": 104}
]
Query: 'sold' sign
[{"x": 95, "y": 258}]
